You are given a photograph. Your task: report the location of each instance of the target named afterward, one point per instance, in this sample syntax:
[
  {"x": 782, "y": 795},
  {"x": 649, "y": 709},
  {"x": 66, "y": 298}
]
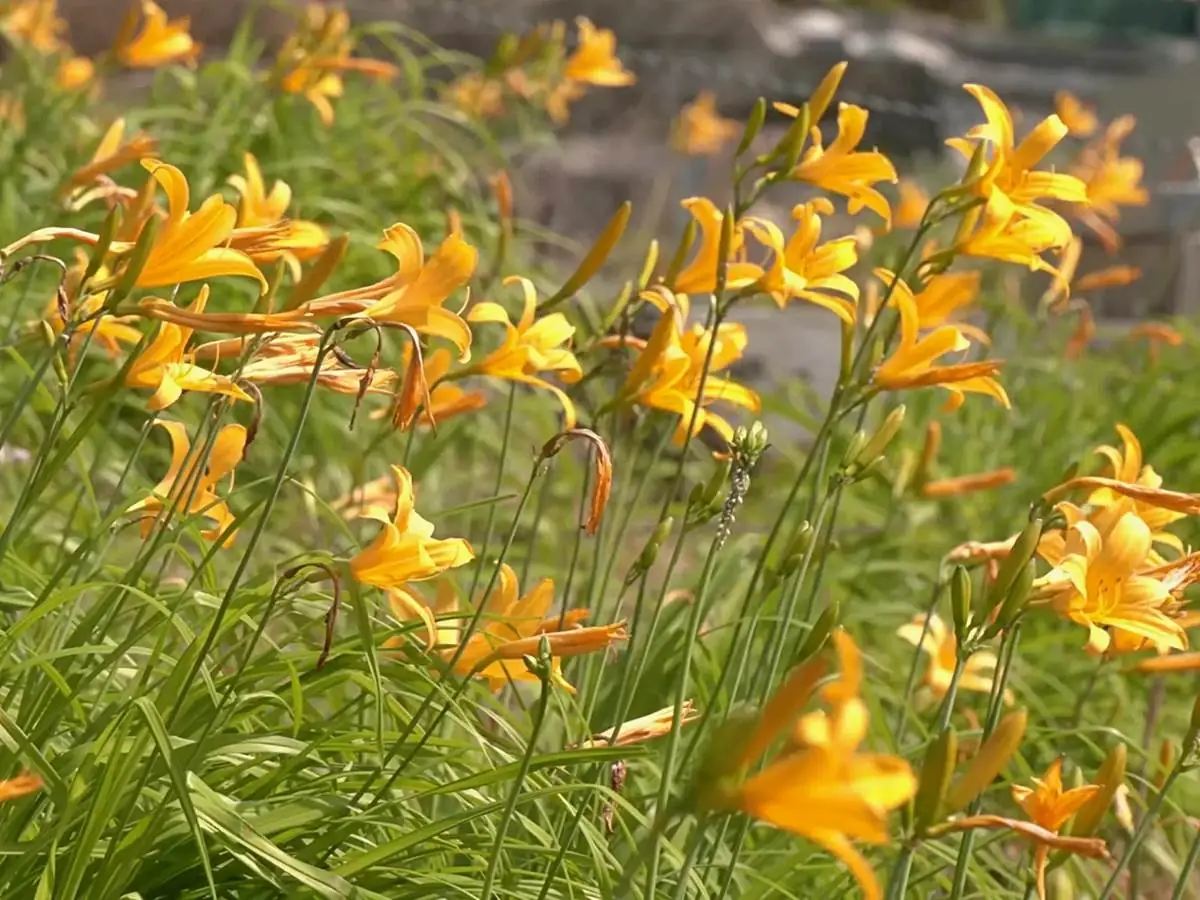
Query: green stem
[
  {"x": 1186, "y": 871},
  {"x": 500, "y": 466},
  {"x": 915, "y": 666},
  {"x": 514, "y": 795},
  {"x": 1143, "y": 828}
]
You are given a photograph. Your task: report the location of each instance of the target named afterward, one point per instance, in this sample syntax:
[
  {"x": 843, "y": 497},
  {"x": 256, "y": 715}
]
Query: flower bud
[
  {"x": 1011, "y": 569},
  {"x": 648, "y": 266},
  {"x": 906, "y": 468},
  {"x": 790, "y": 148},
  {"x": 1191, "y": 741},
  {"x": 960, "y": 603},
  {"x": 820, "y": 632},
  {"x": 681, "y": 252},
  {"x": 993, "y": 755},
  {"x": 857, "y": 443},
  {"x": 1110, "y": 777},
  {"x": 754, "y": 124},
  {"x": 1014, "y": 603},
  {"x": 880, "y": 440},
  {"x": 649, "y": 552},
  {"x": 594, "y": 258},
  {"x": 940, "y": 759},
  {"x": 134, "y": 263},
  {"x": 108, "y": 230},
  {"x": 794, "y": 555}
]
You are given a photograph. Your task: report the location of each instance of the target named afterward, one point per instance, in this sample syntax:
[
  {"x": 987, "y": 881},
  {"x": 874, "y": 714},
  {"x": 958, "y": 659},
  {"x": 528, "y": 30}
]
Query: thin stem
[
  {"x": 1185, "y": 872},
  {"x": 1143, "y": 827},
  {"x": 514, "y": 795},
  {"x": 914, "y": 667},
  {"x": 500, "y": 466}
]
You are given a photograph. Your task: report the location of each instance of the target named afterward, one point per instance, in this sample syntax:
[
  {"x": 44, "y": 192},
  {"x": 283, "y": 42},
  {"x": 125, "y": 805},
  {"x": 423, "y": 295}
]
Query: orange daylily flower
[
  {"x": 941, "y": 300},
  {"x": 295, "y": 239},
  {"x": 1110, "y": 276},
  {"x": 1156, "y": 335},
  {"x": 805, "y": 268},
  {"x": 158, "y": 42},
  {"x": 1129, "y": 466},
  {"x": 405, "y": 549},
  {"x": 112, "y": 153},
  {"x": 1079, "y": 117},
  {"x": 667, "y": 373},
  {"x": 940, "y": 645},
  {"x": 1048, "y": 806},
  {"x": 107, "y": 332},
  {"x": 530, "y": 347},
  {"x": 941, "y": 488},
  {"x": 841, "y": 168},
  {"x": 34, "y": 23},
  {"x": 913, "y": 363},
  {"x": 644, "y": 728},
  {"x": 446, "y": 399},
  {"x": 290, "y": 359},
  {"x": 700, "y": 275},
  {"x": 165, "y": 367},
  {"x": 182, "y": 483},
  {"x": 997, "y": 233},
  {"x": 191, "y": 246},
  {"x": 74, "y": 72},
  {"x": 1084, "y": 333},
  {"x": 822, "y": 788},
  {"x": 1111, "y": 180},
  {"x": 700, "y": 130},
  {"x": 910, "y": 210},
  {"x": 511, "y": 629},
  {"x": 21, "y": 786},
  {"x": 595, "y": 60}
]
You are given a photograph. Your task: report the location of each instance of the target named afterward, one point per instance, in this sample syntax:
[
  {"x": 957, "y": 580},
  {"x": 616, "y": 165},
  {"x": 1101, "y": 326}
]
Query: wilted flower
[
  {"x": 644, "y": 728},
  {"x": 405, "y": 549},
  {"x": 183, "y": 486},
  {"x": 158, "y": 42},
  {"x": 21, "y": 786},
  {"x": 112, "y": 153},
  {"x": 446, "y": 398}
]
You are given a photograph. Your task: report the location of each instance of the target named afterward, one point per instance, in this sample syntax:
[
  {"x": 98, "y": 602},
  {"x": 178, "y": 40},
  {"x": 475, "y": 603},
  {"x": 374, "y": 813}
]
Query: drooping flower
[
  {"x": 34, "y": 23},
  {"x": 183, "y": 486},
  {"x": 667, "y": 372},
  {"x": 530, "y": 347},
  {"x": 700, "y": 130},
  {"x": 405, "y": 549},
  {"x": 291, "y": 358},
  {"x": 821, "y": 788},
  {"x": 414, "y": 295},
  {"x": 292, "y": 239},
  {"x": 700, "y": 275},
  {"x": 157, "y": 42},
  {"x": 1156, "y": 335},
  {"x": 594, "y": 60},
  {"x": 165, "y": 367},
  {"x": 913, "y": 363},
  {"x": 940, "y": 645},
  {"x": 1010, "y": 183},
  {"x": 191, "y": 246},
  {"x": 511, "y": 629},
  {"x": 807, "y": 269},
  {"x": 446, "y": 398},
  {"x": 1079, "y": 117},
  {"x": 644, "y": 728},
  {"x": 1101, "y": 579},
  {"x": 311, "y": 61},
  {"x": 841, "y": 168}
]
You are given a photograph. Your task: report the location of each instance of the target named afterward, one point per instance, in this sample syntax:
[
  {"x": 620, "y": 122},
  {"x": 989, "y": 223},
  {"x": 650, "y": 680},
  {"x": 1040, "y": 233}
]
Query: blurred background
[{"x": 908, "y": 62}]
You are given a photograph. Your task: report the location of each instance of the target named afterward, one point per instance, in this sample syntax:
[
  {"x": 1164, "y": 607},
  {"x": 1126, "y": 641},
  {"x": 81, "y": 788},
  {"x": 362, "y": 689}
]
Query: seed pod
[
  {"x": 936, "y": 770},
  {"x": 960, "y": 603}
]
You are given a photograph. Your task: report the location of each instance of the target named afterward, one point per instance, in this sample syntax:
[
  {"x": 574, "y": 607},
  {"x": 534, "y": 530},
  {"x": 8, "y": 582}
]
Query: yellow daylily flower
[
  {"x": 913, "y": 363},
  {"x": 108, "y": 332},
  {"x": 1102, "y": 580},
  {"x": 530, "y": 347},
  {"x": 158, "y": 42},
  {"x": 595, "y": 60},
  {"x": 74, "y": 72},
  {"x": 512, "y": 628},
  {"x": 112, "y": 153},
  {"x": 182, "y": 483},
  {"x": 1128, "y": 466},
  {"x": 940, "y": 645},
  {"x": 22, "y": 785},
  {"x": 700, "y": 275},
  {"x": 405, "y": 549},
  {"x": 290, "y": 359},
  {"x": 34, "y": 23},
  {"x": 1010, "y": 183},
  {"x": 165, "y": 367},
  {"x": 190, "y": 246},
  {"x": 311, "y": 60},
  {"x": 910, "y": 210},
  {"x": 1111, "y": 180},
  {"x": 807, "y": 269},
  {"x": 842, "y": 168},
  {"x": 823, "y": 788},
  {"x": 1079, "y": 117},
  {"x": 999, "y": 234},
  {"x": 666, "y": 373},
  {"x": 940, "y": 300},
  {"x": 699, "y": 130},
  {"x": 292, "y": 239}
]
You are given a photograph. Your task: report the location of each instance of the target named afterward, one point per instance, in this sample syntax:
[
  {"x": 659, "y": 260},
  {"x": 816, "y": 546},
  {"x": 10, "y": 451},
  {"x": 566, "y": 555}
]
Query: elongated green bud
[
  {"x": 649, "y": 552},
  {"x": 821, "y": 630},
  {"x": 960, "y": 603},
  {"x": 1110, "y": 777},
  {"x": 989, "y": 762},
  {"x": 716, "y": 481},
  {"x": 754, "y": 124},
  {"x": 134, "y": 263},
  {"x": 1014, "y": 603},
  {"x": 936, "y": 770},
  {"x": 794, "y": 555},
  {"x": 681, "y": 252},
  {"x": 648, "y": 266},
  {"x": 879, "y": 441},
  {"x": 857, "y": 443},
  {"x": 792, "y": 145},
  {"x": 906, "y": 468},
  {"x": 1022, "y": 552}
]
